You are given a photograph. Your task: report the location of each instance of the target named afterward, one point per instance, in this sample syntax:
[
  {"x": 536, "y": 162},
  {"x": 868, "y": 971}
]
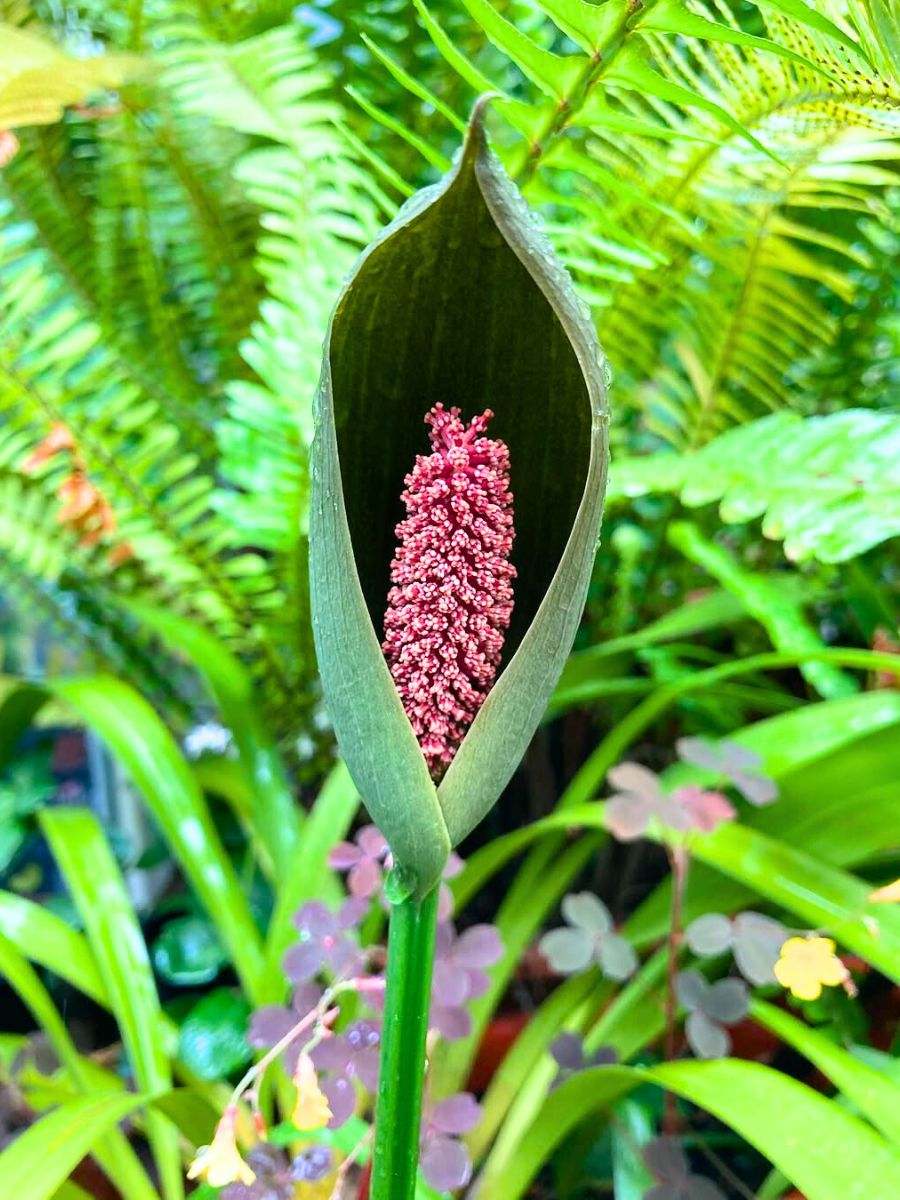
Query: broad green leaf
[
  {"x": 58, "y": 1143},
  {"x": 768, "y": 603},
  {"x": 212, "y": 1041},
  {"x": 274, "y": 810},
  {"x": 438, "y": 280},
  {"x": 98, "y": 891},
  {"x": 874, "y": 1094},
  {"x": 137, "y": 737},
  {"x": 793, "y": 1126}
]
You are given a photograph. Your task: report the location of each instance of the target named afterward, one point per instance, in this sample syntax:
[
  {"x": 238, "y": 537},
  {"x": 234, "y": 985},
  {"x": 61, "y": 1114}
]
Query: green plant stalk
[{"x": 398, "y": 1109}]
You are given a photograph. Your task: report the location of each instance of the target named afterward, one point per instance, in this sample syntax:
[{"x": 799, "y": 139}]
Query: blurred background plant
[{"x": 183, "y": 187}]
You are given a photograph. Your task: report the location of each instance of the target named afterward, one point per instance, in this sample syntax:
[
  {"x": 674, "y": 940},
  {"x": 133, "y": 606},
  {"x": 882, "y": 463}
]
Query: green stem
[{"x": 398, "y": 1109}]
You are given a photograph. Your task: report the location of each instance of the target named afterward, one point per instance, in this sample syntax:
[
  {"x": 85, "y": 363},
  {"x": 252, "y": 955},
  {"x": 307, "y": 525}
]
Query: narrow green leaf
[
  {"x": 113, "y": 1150},
  {"x": 424, "y": 147},
  {"x": 98, "y": 890},
  {"x": 47, "y": 939},
  {"x": 274, "y": 811},
  {"x": 413, "y": 85},
  {"x": 768, "y": 603},
  {"x": 463, "y": 66},
  {"x": 566, "y": 1008},
  {"x": 138, "y": 738},
  {"x": 59, "y": 1141}
]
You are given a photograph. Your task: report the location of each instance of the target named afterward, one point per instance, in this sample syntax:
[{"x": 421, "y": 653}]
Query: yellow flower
[
  {"x": 885, "y": 895},
  {"x": 220, "y": 1163},
  {"x": 808, "y": 963},
  {"x": 311, "y": 1109}
]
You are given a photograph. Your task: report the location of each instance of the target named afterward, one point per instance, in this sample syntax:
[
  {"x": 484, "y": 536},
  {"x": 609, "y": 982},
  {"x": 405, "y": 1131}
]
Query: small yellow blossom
[
  {"x": 887, "y": 894},
  {"x": 311, "y": 1109},
  {"x": 220, "y": 1163},
  {"x": 808, "y": 963}
]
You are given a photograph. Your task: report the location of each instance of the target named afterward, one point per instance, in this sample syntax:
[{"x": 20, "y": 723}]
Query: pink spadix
[{"x": 452, "y": 597}]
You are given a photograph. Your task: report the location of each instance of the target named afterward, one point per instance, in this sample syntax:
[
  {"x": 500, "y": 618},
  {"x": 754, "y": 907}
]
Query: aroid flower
[
  {"x": 460, "y": 314},
  {"x": 452, "y": 597}
]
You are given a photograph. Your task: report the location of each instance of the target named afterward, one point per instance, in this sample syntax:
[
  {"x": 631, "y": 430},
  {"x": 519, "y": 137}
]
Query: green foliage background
[{"x": 721, "y": 179}]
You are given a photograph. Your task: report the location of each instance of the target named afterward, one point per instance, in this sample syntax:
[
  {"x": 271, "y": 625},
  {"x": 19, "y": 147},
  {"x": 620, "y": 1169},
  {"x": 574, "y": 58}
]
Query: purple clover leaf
[
  {"x": 445, "y": 1161},
  {"x": 754, "y": 939},
  {"x": 569, "y": 1054},
  {"x": 312, "y": 1164},
  {"x": 325, "y": 941},
  {"x": 589, "y": 937},
  {"x": 276, "y": 1175},
  {"x": 446, "y": 902},
  {"x": 668, "y": 1164},
  {"x": 459, "y": 975},
  {"x": 740, "y": 765},
  {"x": 706, "y": 810},
  {"x": 272, "y": 1022},
  {"x": 342, "y": 1060},
  {"x": 711, "y": 1007},
  {"x": 639, "y": 800},
  {"x": 364, "y": 858}
]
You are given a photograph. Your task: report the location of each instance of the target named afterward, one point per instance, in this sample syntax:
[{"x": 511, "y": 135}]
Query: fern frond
[
  {"x": 691, "y": 168},
  {"x": 824, "y": 486},
  {"x": 319, "y": 209}
]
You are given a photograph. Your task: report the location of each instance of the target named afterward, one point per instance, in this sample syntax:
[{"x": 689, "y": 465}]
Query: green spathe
[{"x": 460, "y": 300}]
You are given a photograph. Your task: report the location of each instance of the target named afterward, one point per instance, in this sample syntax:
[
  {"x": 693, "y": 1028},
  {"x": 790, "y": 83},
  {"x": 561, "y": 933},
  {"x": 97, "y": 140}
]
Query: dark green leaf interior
[{"x": 444, "y": 310}]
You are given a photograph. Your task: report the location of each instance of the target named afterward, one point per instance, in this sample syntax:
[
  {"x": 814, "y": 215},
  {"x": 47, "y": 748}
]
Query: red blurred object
[
  {"x": 498, "y": 1037},
  {"x": 365, "y": 1182}
]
